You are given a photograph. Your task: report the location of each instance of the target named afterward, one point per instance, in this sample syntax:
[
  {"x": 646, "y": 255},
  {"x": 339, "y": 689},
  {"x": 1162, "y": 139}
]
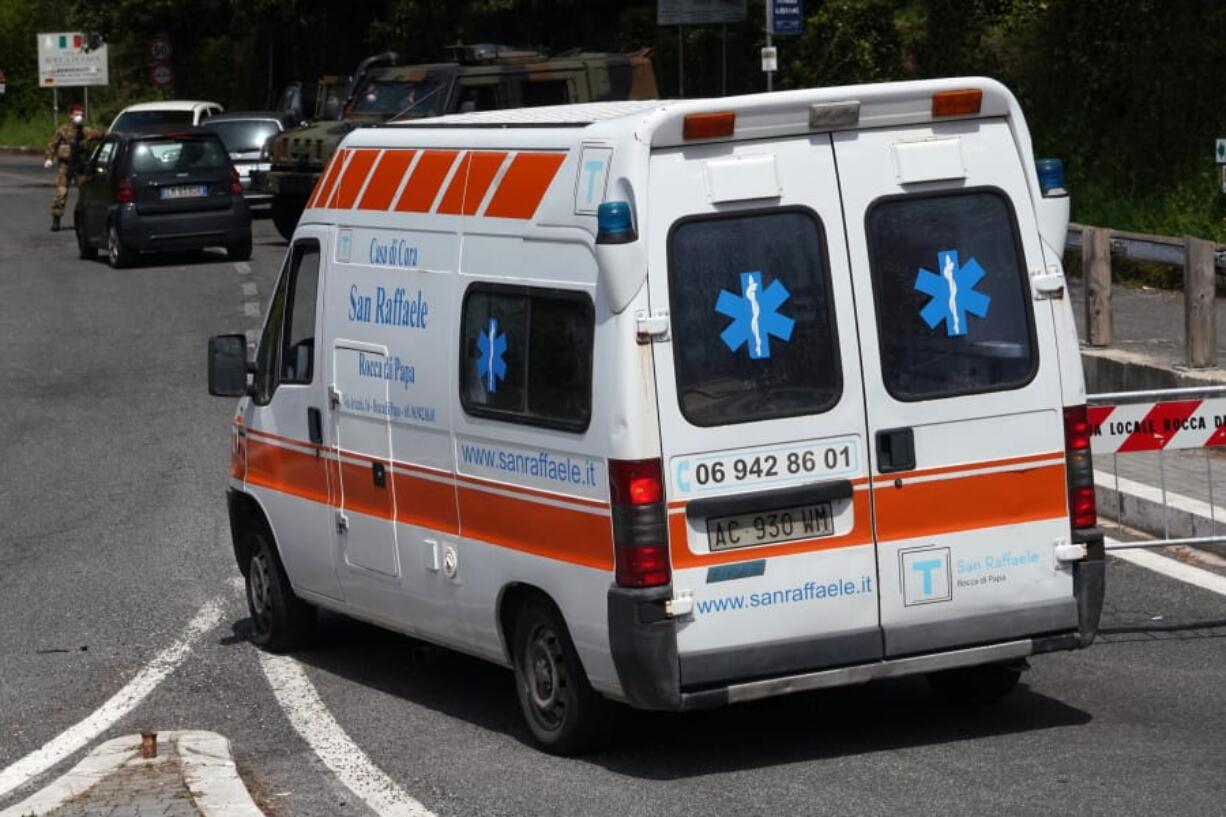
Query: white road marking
[
  {"x": 120, "y": 704},
  {"x": 251, "y": 309},
  {"x": 242, "y": 268},
  {"x": 312, "y": 720},
  {"x": 250, "y": 289},
  {"x": 1167, "y": 566}
]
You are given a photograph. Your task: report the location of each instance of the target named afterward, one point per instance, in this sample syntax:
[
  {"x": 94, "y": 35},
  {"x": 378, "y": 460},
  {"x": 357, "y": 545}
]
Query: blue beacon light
[
  {"x": 1051, "y": 177},
  {"x": 614, "y": 224}
]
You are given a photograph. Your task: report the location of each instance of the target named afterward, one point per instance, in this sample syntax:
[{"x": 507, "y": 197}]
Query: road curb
[
  {"x": 204, "y": 758},
  {"x": 1140, "y": 506}
]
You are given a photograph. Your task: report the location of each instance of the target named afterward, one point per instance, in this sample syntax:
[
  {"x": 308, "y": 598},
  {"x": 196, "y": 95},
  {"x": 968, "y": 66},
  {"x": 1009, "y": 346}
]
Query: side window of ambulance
[
  {"x": 526, "y": 355},
  {"x": 752, "y": 317},
  {"x": 286, "y": 353},
  {"x": 952, "y": 297}
]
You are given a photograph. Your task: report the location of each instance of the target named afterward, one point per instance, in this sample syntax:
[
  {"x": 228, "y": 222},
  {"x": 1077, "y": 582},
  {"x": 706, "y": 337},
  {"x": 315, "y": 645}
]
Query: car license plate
[
  {"x": 770, "y": 527},
  {"x": 185, "y": 191}
]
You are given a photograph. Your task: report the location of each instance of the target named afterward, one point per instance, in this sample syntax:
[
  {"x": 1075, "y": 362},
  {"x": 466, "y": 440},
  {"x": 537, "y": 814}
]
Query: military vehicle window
[
  {"x": 952, "y": 296},
  {"x": 298, "y": 350},
  {"x": 399, "y": 97},
  {"x": 479, "y": 98},
  {"x": 753, "y": 318},
  {"x": 527, "y": 355},
  {"x": 546, "y": 92}
]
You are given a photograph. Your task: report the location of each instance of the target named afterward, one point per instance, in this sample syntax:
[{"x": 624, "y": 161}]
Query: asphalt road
[{"x": 112, "y": 471}]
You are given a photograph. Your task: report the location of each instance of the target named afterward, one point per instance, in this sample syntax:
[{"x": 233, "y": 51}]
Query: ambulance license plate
[
  {"x": 185, "y": 191},
  {"x": 770, "y": 527}
]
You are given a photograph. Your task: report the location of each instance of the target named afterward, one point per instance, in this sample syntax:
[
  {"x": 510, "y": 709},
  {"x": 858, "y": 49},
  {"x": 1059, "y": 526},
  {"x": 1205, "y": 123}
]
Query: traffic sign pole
[{"x": 770, "y": 24}]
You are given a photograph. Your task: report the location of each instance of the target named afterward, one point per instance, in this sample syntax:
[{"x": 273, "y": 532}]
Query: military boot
[{"x": 55, "y": 224}]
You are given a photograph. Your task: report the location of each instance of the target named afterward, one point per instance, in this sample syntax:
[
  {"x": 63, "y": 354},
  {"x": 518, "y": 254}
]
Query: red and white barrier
[{"x": 1166, "y": 425}]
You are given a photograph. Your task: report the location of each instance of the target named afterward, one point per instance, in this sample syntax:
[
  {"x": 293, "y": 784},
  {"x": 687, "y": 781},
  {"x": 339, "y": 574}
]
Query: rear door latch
[{"x": 649, "y": 327}]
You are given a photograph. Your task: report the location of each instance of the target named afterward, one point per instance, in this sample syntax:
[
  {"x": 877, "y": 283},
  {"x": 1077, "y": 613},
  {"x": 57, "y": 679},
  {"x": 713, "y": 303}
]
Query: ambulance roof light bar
[{"x": 957, "y": 103}]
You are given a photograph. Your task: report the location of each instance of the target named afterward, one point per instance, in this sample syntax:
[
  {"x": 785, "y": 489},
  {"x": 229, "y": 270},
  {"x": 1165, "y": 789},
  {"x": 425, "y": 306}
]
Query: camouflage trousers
[{"x": 63, "y": 180}]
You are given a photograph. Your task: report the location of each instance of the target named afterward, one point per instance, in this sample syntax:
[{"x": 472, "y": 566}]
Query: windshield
[
  {"x": 161, "y": 155},
  {"x": 148, "y": 120},
  {"x": 243, "y": 135},
  {"x": 398, "y": 97}
]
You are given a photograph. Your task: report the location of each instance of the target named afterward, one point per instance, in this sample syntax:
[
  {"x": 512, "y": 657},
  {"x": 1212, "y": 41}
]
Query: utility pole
[{"x": 770, "y": 75}]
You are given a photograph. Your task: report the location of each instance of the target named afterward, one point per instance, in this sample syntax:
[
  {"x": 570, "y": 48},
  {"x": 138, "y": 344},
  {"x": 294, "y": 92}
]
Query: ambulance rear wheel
[
  {"x": 279, "y": 620},
  {"x": 984, "y": 684},
  {"x": 566, "y": 716}
]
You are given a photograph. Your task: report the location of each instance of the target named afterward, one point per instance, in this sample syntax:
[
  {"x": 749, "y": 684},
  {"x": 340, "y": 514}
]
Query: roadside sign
[
  {"x": 159, "y": 49},
  {"x": 63, "y": 61},
  {"x": 770, "y": 58},
  {"x": 163, "y": 76},
  {"x": 699, "y": 12},
  {"x": 1223, "y": 169},
  {"x": 3, "y": 82},
  {"x": 787, "y": 16},
  {"x": 1219, "y": 152}
]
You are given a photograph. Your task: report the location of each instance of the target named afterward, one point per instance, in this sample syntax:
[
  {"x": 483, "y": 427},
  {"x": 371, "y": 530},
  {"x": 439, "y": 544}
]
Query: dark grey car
[
  {"x": 161, "y": 192},
  {"x": 246, "y": 136}
]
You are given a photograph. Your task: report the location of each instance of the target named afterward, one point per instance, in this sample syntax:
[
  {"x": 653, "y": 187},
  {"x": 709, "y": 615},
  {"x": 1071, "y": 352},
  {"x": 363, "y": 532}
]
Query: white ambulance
[{"x": 678, "y": 404}]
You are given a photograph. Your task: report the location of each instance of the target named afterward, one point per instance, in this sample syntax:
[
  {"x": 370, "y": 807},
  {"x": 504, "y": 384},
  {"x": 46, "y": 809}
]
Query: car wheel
[
  {"x": 286, "y": 210},
  {"x": 983, "y": 684},
  {"x": 279, "y": 619},
  {"x": 85, "y": 250},
  {"x": 117, "y": 254},
  {"x": 565, "y": 714},
  {"x": 240, "y": 250}
]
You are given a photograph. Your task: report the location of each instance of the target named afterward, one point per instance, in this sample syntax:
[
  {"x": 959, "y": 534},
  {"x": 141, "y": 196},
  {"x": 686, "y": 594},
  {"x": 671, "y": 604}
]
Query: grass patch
[{"x": 30, "y": 133}]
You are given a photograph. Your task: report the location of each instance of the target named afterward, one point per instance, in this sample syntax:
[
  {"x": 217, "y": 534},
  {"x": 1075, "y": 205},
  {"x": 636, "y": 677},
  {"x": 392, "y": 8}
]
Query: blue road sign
[{"x": 787, "y": 16}]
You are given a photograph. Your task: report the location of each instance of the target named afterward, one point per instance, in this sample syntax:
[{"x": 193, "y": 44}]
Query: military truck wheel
[{"x": 286, "y": 210}]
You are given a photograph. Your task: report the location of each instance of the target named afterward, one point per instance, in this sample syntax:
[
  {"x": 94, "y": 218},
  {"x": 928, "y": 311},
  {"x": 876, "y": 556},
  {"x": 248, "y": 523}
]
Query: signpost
[
  {"x": 787, "y": 16},
  {"x": 1219, "y": 154},
  {"x": 64, "y": 61}
]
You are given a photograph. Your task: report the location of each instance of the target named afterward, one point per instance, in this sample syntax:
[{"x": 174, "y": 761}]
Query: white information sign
[
  {"x": 63, "y": 61},
  {"x": 770, "y": 58},
  {"x": 699, "y": 12},
  {"x": 1219, "y": 151}
]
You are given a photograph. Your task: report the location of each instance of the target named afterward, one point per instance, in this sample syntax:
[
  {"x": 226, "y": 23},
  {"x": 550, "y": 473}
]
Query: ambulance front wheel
[
  {"x": 279, "y": 620},
  {"x": 566, "y": 716},
  {"x": 983, "y": 684}
]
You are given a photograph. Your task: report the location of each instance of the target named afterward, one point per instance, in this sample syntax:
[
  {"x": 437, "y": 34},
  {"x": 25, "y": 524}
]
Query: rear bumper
[
  {"x": 643, "y": 641},
  {"x": 286, "y": 182},
  {"x": 192, "y": 230}
]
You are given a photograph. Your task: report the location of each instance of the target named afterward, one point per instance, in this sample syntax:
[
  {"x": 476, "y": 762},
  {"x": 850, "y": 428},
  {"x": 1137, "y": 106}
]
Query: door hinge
[
  {"x": 1047, "y": 283},
  {"x": 1066, "y": 551},
  {"x": 681, "y": 606},
  {"x": 342, "y": 522},
  {"x": 334, "y": 396},
  {"x": 649, "y": 327}
]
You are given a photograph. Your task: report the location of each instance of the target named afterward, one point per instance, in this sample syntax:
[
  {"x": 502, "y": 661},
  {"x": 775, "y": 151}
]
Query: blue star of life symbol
[
  {"x": 491, "y": 365},
  {"x": 755, "y": 315},
  {"x": 953, "y": 293}
]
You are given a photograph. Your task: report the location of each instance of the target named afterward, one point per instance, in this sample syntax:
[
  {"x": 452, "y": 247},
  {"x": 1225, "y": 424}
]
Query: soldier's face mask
[{"x": 77, "y": 119}]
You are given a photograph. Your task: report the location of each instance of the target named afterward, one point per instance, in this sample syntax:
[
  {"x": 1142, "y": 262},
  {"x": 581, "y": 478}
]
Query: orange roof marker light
[
  {"x": 957, "y": 103},
  {"x": 709, "y": 125}
]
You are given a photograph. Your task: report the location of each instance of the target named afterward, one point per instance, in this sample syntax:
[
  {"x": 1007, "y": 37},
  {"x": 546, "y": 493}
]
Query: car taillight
[
  {"x": 123, "y": 191},
  {"x": 640, "y": 523},
  {"x": 1080, "y": 468},
  {"x": 236, "y": 184}
]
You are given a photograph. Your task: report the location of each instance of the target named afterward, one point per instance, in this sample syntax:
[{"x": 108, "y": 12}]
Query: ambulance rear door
[
  {"x": 962, "y": 385},
  {"x": 761, "y": 412}
]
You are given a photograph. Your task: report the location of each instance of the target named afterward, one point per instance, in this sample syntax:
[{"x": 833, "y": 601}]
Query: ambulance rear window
[
  {"x": 527, "y": 355},
  {"x": 952, "y": 296},
  {"x": 752, "y": 317}
]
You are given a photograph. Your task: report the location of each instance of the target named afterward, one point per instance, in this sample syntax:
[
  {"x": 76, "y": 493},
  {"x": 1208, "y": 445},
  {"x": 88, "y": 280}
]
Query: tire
[
  {"x": 566, "y": 716},
  {"x": 280, "y": 620},
  {"x": 286, "y": 210},
  {"x": 85, "y": 250},
  {"x": 984, "y": 684},
  {"x": 117, "y": 255},
  {"x": 239, "y": 251}
]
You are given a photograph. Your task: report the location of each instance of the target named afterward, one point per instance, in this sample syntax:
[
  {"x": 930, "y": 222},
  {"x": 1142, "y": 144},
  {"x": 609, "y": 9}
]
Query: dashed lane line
[
  {"x": 312, "y": 720},
  {"x": 250, "y": 289},
  {"x": 242, "y": 268},
  {"x": 251, "y": 309},
  {"x": 120, "y": 704}
]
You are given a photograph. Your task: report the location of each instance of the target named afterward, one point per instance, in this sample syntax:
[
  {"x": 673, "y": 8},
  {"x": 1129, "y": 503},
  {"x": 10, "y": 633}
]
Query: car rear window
[
  {"x": 147, "y": 120},
  {"x": 952, "y": 296},
  {"x": 752, "y": 317},
  {"x": 243, "y": 135},
  {"x": 178, "y": 154}
]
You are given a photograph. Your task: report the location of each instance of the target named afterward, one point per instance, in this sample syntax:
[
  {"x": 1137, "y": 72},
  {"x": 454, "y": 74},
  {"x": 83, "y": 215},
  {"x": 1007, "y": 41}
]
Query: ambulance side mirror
[{"x": 228, "y": 365}]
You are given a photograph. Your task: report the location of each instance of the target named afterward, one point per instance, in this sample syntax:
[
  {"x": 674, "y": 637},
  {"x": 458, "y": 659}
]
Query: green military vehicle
[{"x": 480, "y": 77}]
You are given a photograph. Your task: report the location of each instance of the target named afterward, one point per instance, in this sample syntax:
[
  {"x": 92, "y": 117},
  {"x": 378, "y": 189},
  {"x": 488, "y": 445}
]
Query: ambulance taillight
[
  {"x": 640, "y": 523},
  {"x": 1079, "y": 466}
]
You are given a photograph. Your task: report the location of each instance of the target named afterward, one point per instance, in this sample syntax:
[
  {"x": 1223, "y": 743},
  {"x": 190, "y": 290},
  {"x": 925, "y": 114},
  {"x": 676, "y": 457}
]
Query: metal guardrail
[
  {"x": 1155, "y": 249},
  {"x": 1159, "y": 420}
]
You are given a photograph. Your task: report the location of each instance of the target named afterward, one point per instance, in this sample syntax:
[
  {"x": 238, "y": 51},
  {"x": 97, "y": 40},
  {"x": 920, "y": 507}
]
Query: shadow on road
[{"x": 666, "y": 746}]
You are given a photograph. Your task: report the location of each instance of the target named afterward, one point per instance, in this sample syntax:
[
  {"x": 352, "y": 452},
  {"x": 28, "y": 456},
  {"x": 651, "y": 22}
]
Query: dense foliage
[{"x": 1127, "y": 91}]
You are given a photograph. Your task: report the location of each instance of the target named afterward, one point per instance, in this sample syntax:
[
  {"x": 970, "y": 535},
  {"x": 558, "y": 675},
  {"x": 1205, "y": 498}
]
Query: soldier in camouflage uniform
[{"x": 67, "y": 151}]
